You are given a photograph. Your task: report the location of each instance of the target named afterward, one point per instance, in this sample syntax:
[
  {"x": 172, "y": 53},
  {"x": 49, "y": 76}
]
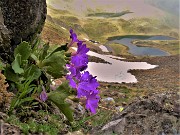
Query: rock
[
  {"x": 1, "y": 16},
  {"x": 145, "y": 116},
  {"x": 113, "y": 126},
  {"x": 108, "y": 100},
  {"x": 7, "y": 129},
  {"x": 75, "y": 133},
  {"x": 5, "y": 46},
  {"x": 24, "y": 19},
  {"x": 3, "y": 115}
]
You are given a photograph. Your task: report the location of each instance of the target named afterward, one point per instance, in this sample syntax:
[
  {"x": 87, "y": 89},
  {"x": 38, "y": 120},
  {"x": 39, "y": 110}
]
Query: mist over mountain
[
  {"x": 84, "y": 7},
  {"x": 165, "y": 10},
  {"x": 171, "y": 6}
]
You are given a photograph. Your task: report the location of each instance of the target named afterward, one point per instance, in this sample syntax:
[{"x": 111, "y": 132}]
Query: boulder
[
  {"x": 5, "y": 47},
  {"x": 24, "y": 20}
]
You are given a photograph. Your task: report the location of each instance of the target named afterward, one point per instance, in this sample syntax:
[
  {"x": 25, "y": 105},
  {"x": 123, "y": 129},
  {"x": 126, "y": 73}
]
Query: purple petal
[
  {"x": 79, "y": 61},
  {"x": 43, "y": 96},
  {"x": 82, "y": 49},
  {"x": 71, "y": 31},
  {"x": 72, "y": 83},
  {"x": 74, "y": 38},
  {"x": 85, "y": 76},
  {"x": 92, "y": 103},
  {"x": 86, "y": 89},
  {"x": 72, "y": 69},
  {"x": 53, "y": 87},
  {"x": 92, "y": 82}
]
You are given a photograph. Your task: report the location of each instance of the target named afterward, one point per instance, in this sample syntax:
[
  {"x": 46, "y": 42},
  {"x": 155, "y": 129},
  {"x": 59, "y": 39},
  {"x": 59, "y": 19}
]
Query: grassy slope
[
  {"x": 170, "y": 46},
  {"x": 100, "y": 28}
]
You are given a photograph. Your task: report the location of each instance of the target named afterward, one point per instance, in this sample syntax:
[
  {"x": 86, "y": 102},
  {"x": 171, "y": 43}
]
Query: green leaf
[
  {"x": 61, "y": 48},
  {"x": 24, "y": 49},
  {"x": 14, "y": 103},
  {"x": 35, "y": 45},
  {"x": 58, "y": 99},
  {"x": 33, "y": 56},
  {"x": 65, "y": 88},
  {"x": 10, "y": 75},
  {"x": 54, "y": 65},
  {"x": 25, "y": 92},
  {"x": 33, "y": 71},
  {"x": 28, "y": 99},
  {"x": 44, "y": 52},
  {"x": 16, "y": 65}
]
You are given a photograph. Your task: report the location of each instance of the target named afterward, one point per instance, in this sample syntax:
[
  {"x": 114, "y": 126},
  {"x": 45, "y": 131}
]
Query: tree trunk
[{"x": 24, "y": 19}]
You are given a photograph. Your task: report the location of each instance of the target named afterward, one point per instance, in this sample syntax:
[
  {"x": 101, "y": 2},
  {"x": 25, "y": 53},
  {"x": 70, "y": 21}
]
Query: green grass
[
  {"x": 118, "y": 49},
  {"x": 43, "y": 122},
  {"x": 52, "y": 11},
  {"x": 99, "y": 28},
  {"x": 169, "y": 46}
]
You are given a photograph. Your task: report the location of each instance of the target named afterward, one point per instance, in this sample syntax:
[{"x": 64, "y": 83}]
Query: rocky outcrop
[
  {"x": 23, "y": 20},
  {"x": 158, "y": 114},
  {"x": 5, "y": 47}
]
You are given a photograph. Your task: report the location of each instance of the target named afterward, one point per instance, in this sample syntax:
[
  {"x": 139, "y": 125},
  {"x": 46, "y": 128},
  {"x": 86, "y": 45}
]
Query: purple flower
[
  {"x": 92, "y": 98},
  {"x": 88, "y": 78},
  {"x": 43, "y": 95},
  {"x": 72, "y": 83},
  {"x": 72, "y": 70},
  {"x": 82, "y": 49},
  {"x": 85, "y": 84},
  {"x": 92, "y": 102},
  {"x": 80, "y": 59},
  {"x": 74, "y": 75},
  {"x": 73, "y": 37},
  {"x": 87, "y": 87}
]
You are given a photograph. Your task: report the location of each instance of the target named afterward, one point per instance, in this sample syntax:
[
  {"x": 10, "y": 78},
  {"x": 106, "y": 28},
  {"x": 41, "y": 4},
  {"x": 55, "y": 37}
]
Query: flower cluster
[{"x": 85, "y": 84}]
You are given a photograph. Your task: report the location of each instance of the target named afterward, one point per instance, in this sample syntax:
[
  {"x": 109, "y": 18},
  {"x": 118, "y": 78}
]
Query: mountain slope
[
  {"x": 59, "y": 21},
  {"x": 83, "y": 7}
]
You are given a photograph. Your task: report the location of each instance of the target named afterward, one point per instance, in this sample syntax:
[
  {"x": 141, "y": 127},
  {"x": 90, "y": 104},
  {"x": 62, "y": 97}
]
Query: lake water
[
  {"x": 135, "y": 50},
  {"x": 117, "y": 70}
]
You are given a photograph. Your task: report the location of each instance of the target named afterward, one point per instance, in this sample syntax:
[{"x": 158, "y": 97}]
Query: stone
[
  {"x": 145, "y": 116},
  {"x": 7, "y": 129},
  {"x": 5, "y": 46},
  {"x": 108, "y": 100},
  {"x": 24, "y": 20},
  {"x": 1, "y": 16},
  {"x": 75, "y": 133}
]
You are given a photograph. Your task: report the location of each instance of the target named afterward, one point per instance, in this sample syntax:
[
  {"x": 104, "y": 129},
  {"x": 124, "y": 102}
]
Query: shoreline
[{"x": 164, "y": 77}]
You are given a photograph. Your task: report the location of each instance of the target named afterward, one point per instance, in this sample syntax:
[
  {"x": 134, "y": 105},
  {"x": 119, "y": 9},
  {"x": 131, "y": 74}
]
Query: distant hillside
[
  {"x": 60, "y": 20},
  {"x": 165, "y": 10},
  {"x": 83, "y": 7}
]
